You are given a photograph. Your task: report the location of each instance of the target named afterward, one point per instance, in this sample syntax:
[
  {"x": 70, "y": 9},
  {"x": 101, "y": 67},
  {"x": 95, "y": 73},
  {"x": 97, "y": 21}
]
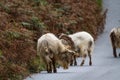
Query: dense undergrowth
[{"x": 22, "y": 22}]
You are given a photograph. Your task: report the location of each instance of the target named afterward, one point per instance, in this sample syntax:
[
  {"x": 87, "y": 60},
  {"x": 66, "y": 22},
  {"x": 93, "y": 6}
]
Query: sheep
[
  {"x": 115, "y": 40},
  {"x": 51, "y": 50},
  {"x": 83, "y": 44}
]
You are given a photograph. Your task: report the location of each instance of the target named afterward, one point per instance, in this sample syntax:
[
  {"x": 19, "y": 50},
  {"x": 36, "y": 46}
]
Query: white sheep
[
  {"x": 51, "y": 50},
  {"x": 115, "y": 39},
  {"x": 83, "y": 44}
]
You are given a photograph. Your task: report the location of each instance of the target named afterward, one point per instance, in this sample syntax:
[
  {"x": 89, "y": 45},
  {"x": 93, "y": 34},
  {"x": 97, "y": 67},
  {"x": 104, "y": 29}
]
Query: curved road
[{"x": 105, "y": 66}]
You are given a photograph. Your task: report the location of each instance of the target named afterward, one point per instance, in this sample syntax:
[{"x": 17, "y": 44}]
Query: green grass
[{"x": 99, "y": 2}]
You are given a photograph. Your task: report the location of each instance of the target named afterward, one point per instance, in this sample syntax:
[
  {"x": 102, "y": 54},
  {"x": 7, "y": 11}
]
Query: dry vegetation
[{"x": 23, "y": 21}]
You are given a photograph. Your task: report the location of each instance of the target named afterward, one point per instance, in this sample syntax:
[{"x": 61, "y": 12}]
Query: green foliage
[
  {"x": 13, "y": 34},
  {"x": 10, "y": 35},
  {"x": 37, "y": 23},
  {"x": 99, "y": 2},
  {"x": 25, "y": 24},
  {"x": 34, "y": 24},
  {"x": 73, "y": 22}
]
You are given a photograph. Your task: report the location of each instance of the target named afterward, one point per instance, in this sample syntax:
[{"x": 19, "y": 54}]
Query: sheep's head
[{"x": 65, "y": 58}]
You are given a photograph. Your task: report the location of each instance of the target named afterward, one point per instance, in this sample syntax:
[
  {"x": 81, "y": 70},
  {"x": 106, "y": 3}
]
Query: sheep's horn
[{"x": 68, "y": 39}]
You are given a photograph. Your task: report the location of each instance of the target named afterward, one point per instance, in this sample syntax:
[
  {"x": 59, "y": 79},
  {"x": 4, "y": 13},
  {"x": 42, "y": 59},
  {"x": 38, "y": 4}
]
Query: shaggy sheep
[
  {"x": 83, "y": 44},
  {"x": 51, "y": 50},
  {"x": 115, "y": 39}
]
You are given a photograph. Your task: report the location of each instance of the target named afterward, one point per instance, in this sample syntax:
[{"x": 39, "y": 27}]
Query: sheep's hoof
[
  {"x": 81, "y": 64},
  {"x": 119, "y": 54},
  {"x": 116, "y": 56},
  {"x": 71, "y": 64},
  {"x": 75, "y": 64},
  {"x": 55, "y": 71},
  {"x": 49, "y": 71},
  {"x": 90, "y": 64}
]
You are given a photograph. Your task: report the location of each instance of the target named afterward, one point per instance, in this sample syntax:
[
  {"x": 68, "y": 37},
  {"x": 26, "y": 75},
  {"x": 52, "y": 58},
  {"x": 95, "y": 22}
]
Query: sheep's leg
[
  {"x": 114, "y": 52},
  {"x": 71, "y": 62},
  {"x": 75, "y": 62},
  {"x": 83, "y": 59},
  {"x": 90, "y": 61},
  {"x": 112, "y": 36},
  {"x": 54, "y": 66},
  {"x": 49, "y": 67}
]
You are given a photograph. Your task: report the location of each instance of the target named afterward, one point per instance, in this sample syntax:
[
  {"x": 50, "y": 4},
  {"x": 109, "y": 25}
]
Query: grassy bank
[{"x": 22, "y": 22}]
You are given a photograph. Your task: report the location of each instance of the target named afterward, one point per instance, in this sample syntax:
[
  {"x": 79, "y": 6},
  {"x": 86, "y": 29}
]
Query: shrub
[
  {"x": 11, "y": 35},
  {"x": 34, "y": 24}
]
